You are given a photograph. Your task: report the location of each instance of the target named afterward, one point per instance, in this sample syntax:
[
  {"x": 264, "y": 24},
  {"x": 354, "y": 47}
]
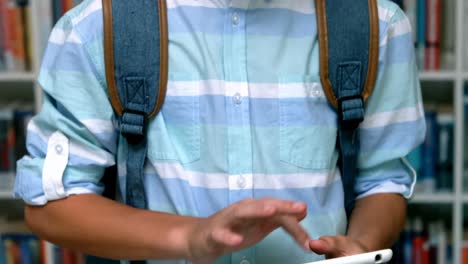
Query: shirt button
[
  {"x": 244, "y": 261},
  {"x": 317, "y": 92},
  {"x": 241, "y": 183},
  {"x": 237, "y": 99},
  {"x": 58, "y": 149},
  {"x": 235, "y": 19}
]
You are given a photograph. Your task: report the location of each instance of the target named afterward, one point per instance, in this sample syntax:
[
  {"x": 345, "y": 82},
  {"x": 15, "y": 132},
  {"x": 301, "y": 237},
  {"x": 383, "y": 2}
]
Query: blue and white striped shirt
[{"x": 245, "y": 117}]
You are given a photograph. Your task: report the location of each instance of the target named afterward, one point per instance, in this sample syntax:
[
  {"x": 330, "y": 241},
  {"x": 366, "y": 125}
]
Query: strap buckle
[
  {"x": 350, "y": 112},
  {"x": 133, "y": 125}
]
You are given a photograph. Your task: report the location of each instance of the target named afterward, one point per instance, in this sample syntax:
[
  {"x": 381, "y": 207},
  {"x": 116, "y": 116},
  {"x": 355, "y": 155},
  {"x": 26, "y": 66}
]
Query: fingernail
[
  {"x": 298, "y": 205},
  {"x": 269, "y": 209},
  {"x": 306, "y": 245}
]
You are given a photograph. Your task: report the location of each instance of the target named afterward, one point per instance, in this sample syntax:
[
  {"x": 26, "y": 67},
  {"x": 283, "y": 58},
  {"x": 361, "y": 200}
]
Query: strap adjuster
[
  {"x": 133, "y": 125},
  {"x": 351, "y": 111}
]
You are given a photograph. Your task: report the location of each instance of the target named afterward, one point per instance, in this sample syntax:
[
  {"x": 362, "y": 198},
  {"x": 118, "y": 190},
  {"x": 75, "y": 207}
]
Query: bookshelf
[
  {"x": 453, "y": 82},
  {"x": 5, "y": 195},
  {"x": 452, "y": 78},
  {"x": 17, "y": 77},
  {"x": 438, "y": 76},
  {"x": 430, "y": 198}
]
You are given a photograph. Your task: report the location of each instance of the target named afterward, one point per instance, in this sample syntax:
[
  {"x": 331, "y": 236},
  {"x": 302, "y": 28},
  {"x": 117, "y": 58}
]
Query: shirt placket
[{"x": 238, "y": 112}]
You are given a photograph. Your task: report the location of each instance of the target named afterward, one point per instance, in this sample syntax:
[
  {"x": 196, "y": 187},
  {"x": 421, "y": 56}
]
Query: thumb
[{"x": 322, "y": 246}]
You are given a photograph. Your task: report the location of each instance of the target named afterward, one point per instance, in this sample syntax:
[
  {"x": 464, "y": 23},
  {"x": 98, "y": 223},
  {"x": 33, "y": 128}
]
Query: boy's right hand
[{"x": 242, "y": 225}]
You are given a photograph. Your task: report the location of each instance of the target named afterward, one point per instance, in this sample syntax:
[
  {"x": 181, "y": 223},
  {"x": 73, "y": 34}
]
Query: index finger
[{"x": 263, "y": 208}]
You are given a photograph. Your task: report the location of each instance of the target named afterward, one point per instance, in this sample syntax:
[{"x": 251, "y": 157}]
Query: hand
[
  {"x": 337, "y": 246},
  {"x": 242, "y": 225}
]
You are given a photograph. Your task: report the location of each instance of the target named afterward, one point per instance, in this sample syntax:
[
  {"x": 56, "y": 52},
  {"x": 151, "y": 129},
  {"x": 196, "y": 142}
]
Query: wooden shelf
[
  {"x": 17, "y": 77},
  {"x": 433, "y": 198}
]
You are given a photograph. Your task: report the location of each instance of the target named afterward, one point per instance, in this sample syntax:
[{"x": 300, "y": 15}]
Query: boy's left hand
[{"x": 337, "y": 246}]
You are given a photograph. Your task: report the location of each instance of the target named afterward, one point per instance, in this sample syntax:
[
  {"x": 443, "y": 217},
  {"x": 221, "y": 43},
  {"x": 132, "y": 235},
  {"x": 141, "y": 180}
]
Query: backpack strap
[
  {"x": 349, "y": 45},
  {"x": 136, "y": 55}
]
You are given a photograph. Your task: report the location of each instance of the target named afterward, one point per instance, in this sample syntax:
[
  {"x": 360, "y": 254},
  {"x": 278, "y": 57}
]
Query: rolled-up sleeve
[
  {"x": 394, "y": 121},
  {"x": 72, "y": 140}
]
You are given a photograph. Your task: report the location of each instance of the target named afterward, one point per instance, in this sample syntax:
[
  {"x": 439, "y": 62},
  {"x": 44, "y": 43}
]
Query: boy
[{"x": 242, "y": 159}]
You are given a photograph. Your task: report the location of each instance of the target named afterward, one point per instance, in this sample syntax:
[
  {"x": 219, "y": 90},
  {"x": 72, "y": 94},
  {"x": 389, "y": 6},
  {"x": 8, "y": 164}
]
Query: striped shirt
[{"x": 245, "y": 117}]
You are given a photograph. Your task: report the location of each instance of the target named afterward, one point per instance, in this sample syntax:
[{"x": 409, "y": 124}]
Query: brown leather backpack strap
[
  {"x": 109, "y": 56},
  {"x": 374, "y": 43}
]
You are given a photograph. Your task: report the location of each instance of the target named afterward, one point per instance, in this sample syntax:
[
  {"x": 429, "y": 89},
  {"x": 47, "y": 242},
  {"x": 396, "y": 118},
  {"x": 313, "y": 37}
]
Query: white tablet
[{"x": 376, "y": 257}]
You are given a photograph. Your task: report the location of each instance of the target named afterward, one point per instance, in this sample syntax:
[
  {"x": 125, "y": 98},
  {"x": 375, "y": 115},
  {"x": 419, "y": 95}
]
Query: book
[
  {"x": 464, "y": 256},
  {"x": 465, "y": 34},
  {"x": 6, "y": 140},
  {"x": 2, "y": 37},
  {"x": 5, "y": 24},
  {"x": 447, "y": 41},
  {"x": 67, "y": 5},
  {"x": 432, "y": 51},
  {"x": 411, "y": 12},
  {"x": 420, "y": 253},
  {"x": 43, "y": 9},
  {"x": 427, "y": 178},
  {"x": 28, "y": 35},
  {"x": 421, "y": 32},
  {"x": 16, "y": 34},
  {"x": 3, "y": 259},
  {"x": 444, "y": 176},
  {"x": 20, "y": 248},
  {"x": 57, "y": 10},
  {"x": 21, "y": 117}
]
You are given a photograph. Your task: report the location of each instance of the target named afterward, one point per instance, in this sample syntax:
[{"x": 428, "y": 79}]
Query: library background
[{"x": 437, "y": 224}]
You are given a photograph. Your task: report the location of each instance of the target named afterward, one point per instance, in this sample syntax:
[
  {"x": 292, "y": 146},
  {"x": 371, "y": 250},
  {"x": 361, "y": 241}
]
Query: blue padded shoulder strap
[
  {"x": 135, "y": 45},
  {"x": 349, "y": 47},
  {"x": 349, "y": 44}
]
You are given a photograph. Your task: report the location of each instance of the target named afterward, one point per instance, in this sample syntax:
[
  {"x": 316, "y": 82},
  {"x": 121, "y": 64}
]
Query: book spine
[
  {"x": 411, "y": 12},
  {"x": 9, "y": 251},
  {"x": 66, "y": 5},
  {"x": 465, "y": 33},
  {"x": 407, "y": 243},
  {"x": 28, "y": 36},
  {"x": 16, "y": 38},
  {"x": 2, "y": 37},
  {"x": 432, "y": 57},
  {"x": 7, "y": 40},
  {"x": 441, "y": 244},
  {"x": 57, "y": 10},
  {"x": 444, "y": 178},
  {"x": 465, "y": 252},
  {"x": 43, "y": 9},
  {"x": 429, "y": 153},
  {"x": 26, "y": 253},
  {"x": 3, "y": 253},
  {"x": 421, "y": 32}
]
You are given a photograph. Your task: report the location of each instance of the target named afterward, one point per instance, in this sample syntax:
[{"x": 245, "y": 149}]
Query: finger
[
  {"x": 323, "y": 246},
  {"x": 286, "y": 207},
  {"x": 225, "y": 237},
  {"x": 264, "y": 208},
  {"x": 292, "y": 226}
]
